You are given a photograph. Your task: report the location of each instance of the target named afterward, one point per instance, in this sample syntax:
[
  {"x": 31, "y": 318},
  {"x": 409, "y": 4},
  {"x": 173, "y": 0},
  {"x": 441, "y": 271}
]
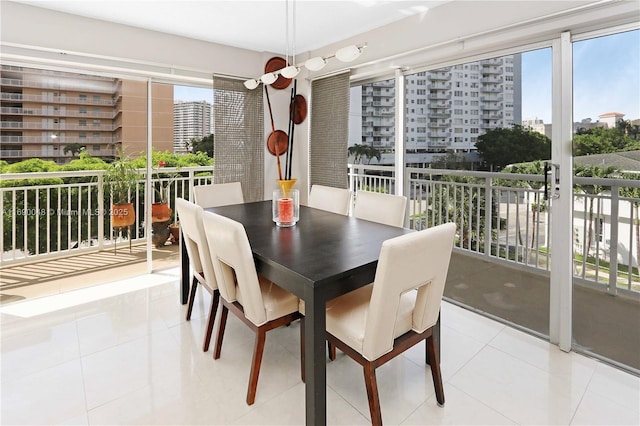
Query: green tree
[
  {"x": 503, "y": 146},
  {"x": 204, "y": 144},
  {"x": 537, "y": 205},
  {"x": 601, "y": 141},
  {"x": 73, "y": 148},
  {"x": 369, "y": 152},
  {"x": 631, "y": 130},
  {"x": 85, "y": 162}
]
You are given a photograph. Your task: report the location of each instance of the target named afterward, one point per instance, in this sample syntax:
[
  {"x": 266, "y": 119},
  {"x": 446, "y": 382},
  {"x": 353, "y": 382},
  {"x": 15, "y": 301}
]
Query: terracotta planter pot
[
  {"x": 122, "y": 215},
  {"x": 160, "y": 212},
  {"x": 175, "y": 232}
]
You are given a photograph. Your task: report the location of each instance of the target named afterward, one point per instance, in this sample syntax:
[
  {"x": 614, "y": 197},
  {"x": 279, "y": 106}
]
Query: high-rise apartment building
[
  {"x": 51, "y": 115},
  {"x": 192, "y": 119},
  {"x": 446, "y": 109}
]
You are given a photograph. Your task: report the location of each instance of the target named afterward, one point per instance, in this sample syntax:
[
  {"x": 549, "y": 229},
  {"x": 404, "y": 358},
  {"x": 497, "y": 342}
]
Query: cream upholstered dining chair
[
  {"x": 218, "y": 194},
  {"x": 258, "y": 302},
  {"x": 335, "y": 200},
  {"x": 382, "y": 208},
  {"x": 375, "y": 323},
  {"x": 200, "y": 260}
]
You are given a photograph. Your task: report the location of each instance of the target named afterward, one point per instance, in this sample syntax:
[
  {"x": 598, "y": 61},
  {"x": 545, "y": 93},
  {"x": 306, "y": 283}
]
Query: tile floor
[{"x": 122, "y": 353}]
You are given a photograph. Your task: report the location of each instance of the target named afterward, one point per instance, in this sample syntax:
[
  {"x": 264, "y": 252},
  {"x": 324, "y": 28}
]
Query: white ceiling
[{"x": 258, "y": 25}]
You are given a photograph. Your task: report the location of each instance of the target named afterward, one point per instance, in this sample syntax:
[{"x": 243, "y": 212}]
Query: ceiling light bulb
[
  {"x": 315, "y": 64},
  {"x": 348, "y": 53},
  {"x": 269, "y": 78},
  {"x": 251, "y": 84},
  {"x": 290, "y": 72}
]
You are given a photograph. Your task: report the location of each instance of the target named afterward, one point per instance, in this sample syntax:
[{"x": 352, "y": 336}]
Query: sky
[
  {"x": 606, "y": 79},
  {"x": 186, "y": 93}
]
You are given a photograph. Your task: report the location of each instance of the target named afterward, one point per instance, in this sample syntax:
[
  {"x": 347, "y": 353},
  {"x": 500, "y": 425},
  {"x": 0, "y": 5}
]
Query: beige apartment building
[{"x": 51, "y": 115}]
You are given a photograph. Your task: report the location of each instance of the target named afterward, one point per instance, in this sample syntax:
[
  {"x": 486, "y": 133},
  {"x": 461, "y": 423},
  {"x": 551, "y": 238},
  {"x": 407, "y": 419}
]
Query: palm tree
[
  {"x": 633, "y": 193},
  {"x": 596, "y": 172},
  {"x": 73, "y": 148},
  {"x": 369, "y": 152}
]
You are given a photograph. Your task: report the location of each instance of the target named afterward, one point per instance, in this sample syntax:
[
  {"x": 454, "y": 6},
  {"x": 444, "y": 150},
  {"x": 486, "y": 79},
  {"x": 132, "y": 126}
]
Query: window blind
[
  {"x": 329, "y": 133},
  {"x": 238, "y": 149}
]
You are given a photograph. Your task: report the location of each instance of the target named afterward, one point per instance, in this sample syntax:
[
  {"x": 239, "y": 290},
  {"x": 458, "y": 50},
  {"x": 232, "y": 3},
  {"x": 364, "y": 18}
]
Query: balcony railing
[
  {"x": 58, "y": 153},
  {"x": 62, "y": 139},
  {"x": 62, "y": 213},
  {"x": 20, "y": 125},
  {"x": 500, "y": 216},
  {"x": 504, "y": 217},
  {"x": 56, "y": 113},
  {"x": 5, "y": 96}
]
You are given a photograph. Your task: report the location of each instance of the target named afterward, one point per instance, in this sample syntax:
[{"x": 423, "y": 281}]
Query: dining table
[{"x": 324, "y": 255}]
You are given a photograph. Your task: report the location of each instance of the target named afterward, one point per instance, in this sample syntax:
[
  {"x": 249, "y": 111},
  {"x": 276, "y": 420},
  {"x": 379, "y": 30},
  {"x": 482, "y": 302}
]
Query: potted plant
[
  {"x": 160, "y": 210},
  {"x": 121, "y": 181}
]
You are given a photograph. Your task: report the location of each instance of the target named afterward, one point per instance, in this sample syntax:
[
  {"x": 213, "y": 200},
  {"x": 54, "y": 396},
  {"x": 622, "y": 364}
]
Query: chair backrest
[
  {"x": 382, "y": 208},
  {"x": 233, "y": 263},
  {"x": 195, "y": 241},
  {"x": 335, "y": 200},
  {"x": 218, "y": 194},
  {"x": 419, "y": 260}
]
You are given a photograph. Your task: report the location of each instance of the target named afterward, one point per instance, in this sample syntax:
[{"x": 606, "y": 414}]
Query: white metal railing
[
  {"x": 56, "y": 153},
  {"x": 59, "y": 213},
  {"x": 500, "y": 216},
  {"x": 505, "y": 216}
]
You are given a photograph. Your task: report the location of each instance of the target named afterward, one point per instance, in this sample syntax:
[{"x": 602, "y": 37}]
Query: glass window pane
[
  {"x": 606, "y": 228},
  {"x": 486, "y": 115}
]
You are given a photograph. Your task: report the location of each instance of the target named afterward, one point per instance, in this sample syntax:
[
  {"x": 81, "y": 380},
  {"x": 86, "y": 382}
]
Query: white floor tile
[
  {"x": 114, "y": 372},
  {"x": 174, "y": 402},
  {"x": 620, "y": 387},
  {"x": 51, "y": 396},
  {"x": 576, "y": 368},
  {"x": 42, "y": 345},
  {"x": 518, "y": 390},
  {"x": 459, "y": 409},
  {"x": 470, "y": 324},
  {"x": 598, "y": 410}
]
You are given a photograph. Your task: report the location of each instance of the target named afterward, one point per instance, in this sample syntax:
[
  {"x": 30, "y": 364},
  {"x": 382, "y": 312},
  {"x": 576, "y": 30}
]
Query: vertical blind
[
  {"x": 329, "y": 133},
  {"x": 239, "y": 136}
]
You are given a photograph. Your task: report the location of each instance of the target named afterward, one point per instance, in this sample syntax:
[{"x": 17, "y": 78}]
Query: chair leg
[
  {"x": 192, "y": 296},
  {"x": 215, "y": 297},
  {"x": 332, "y": 351},
  {"x": 435, "y": 370},
  {"x": 258, "y": 349},
  {"x": 221, "y": 326},
  {"x": 302, "y": 352},
  {"x": 372, "y": 392}
]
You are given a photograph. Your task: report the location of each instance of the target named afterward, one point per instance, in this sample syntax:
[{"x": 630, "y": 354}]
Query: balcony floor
[
  {"x": 123, "y": 354},
  {"x": 54, "y": 276}
]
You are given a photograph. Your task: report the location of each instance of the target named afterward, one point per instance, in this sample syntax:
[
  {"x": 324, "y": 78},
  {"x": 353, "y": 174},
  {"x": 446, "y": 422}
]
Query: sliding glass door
[{"x": 606, "y": 230}]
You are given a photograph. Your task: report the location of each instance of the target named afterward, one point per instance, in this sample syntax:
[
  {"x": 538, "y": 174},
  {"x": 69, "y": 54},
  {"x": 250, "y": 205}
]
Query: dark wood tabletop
[{"x": 323, "y": 256}]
